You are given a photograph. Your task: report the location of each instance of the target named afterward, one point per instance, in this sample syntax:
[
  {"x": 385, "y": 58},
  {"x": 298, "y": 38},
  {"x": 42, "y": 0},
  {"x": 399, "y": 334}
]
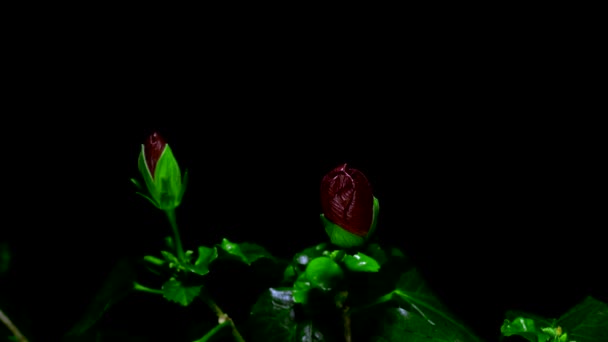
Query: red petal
[
  {"x": 153, "y": 149},
  {"x": 347, "y": 199}
]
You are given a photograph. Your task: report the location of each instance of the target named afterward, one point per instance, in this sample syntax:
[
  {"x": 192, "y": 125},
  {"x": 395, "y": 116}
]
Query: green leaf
[
  {"x": 304, "y": 257},
  {"x": 289, "y": 274},
  {"x": 301, "y": 287},
  {"x": 587, "y": 321},
  {"x": 423, "y": 315},
  {"x": 206, "y": 256},
  {"x": 361, "y": 263},
  {"x": 526, "y": 328},
  {"x": 375, "y": 251},
  {"x": 117, "y": 285},
  {"x": 324, "y": 273},
  {"x": 245, "y": 252},
  {"x": 174, "y": 290},
  {"x": 274, "y": 319}
]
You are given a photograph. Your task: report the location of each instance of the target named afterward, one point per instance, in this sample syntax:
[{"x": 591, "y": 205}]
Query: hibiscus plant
[{"x": 347, "y": 288}]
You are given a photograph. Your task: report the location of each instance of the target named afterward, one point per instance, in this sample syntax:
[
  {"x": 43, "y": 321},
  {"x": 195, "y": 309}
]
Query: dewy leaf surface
[
  {"x": 422, "y": 316},
  {"x": 273, "y": 319},
  {"x": 361, "y": 263}
]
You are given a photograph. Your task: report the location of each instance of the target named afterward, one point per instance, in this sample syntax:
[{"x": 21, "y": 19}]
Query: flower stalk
[{"x": 176, "y": 237}]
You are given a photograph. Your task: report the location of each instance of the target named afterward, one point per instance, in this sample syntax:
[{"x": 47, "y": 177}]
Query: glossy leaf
[
  {"x": 274, "y": 319},
  {"x": 245, "y": 252},
  {"x": 526, "y": 328},
  {"x": 175, "y": 291},
  {"x": 375, "y": 251},
  {"x": 424, "y": 315},
  {"x": 586, "y": 322},
  {"x": 304, "y": 257},
  {"x": 324, "y": 273},
  {"x": 301, "y": 287},
  {"x": 361, "y": 263}
]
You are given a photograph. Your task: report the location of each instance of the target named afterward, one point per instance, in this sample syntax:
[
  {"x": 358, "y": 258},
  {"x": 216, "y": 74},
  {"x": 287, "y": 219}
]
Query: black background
[{"x": 486, "y": 156}]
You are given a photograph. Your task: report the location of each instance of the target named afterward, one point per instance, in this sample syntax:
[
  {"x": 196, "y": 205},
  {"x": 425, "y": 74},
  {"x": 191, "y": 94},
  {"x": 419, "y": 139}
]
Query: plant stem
[
  {"x": 212, "y": 332},
  {"x": 177, "y": 239},
  {"x": 12, "y": 327},
  {"x": 346, "y": 320},
  {"x": 222, "y": 317},
  {"x": 142, "y": 288}
]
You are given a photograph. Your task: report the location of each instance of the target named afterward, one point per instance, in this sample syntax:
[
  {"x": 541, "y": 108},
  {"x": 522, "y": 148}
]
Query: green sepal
[
  {"x": 165, "y": 187},
  {"x": 147, "y": 176},
  {"x": 340, "y": 237},
  {"x": 376, "y": 210},
  {"x": 168, "y": 180},
  {"x": 345, "y": 239},
  {"x": 137, "y": 184},
  {"x": 148, "y": 198}
]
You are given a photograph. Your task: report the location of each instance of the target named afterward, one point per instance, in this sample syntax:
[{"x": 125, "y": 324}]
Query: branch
[
  {"x": 12, "y": 327},
  {"x": 346, "y": 320},
  {"x": 223, "y": 318}
]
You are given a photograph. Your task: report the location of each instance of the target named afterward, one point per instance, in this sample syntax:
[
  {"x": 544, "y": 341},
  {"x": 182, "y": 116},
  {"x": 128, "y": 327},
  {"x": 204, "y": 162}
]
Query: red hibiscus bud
[
  {"x": 347, "y": 200},
  {"x": 153, "y": 149},
  {"x": 161, "y": 173}
]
